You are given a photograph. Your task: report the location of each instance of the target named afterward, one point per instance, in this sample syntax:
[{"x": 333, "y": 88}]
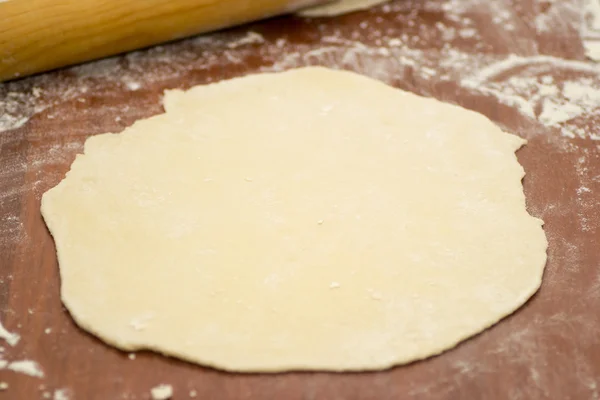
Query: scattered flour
[
  {"x": 590, "y": 31},
  {"x": 26, "y": 367},
  {"x": 249, "y": 38},
  {"x": 62, "y": 394},
  {"x": 558, "y": 93},
  {"x": 162, "y": 392},
  {"x": 10, "y": 338},
  {"x": 592, "y": 49}
]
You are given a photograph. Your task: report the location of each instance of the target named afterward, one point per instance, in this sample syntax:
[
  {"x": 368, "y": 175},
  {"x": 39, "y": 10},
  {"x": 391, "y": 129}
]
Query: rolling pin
[{"x": 40, "y": 35}]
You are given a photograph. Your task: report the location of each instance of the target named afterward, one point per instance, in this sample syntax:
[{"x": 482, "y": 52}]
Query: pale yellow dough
[
  {"x": 339, "y": 7},
  {"x": 311, "y": 219}
]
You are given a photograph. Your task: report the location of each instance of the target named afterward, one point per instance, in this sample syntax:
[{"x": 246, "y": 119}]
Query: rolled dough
[
  {"x": 339, "y": 7},
  {"x": 311, "y": 219}
]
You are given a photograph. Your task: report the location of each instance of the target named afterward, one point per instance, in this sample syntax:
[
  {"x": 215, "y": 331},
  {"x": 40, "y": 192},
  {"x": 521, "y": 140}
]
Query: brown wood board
[{"x": 453, "y": 50}]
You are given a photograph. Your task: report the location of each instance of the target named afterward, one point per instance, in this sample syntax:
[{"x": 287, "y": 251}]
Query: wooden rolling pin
[{"x": 39, "y": 35}]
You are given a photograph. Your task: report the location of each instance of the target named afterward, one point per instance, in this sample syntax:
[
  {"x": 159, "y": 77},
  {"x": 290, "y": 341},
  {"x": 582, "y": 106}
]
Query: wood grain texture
[
  {"x": 39, "y": 35},
  {"x": 549, "y": 349}
]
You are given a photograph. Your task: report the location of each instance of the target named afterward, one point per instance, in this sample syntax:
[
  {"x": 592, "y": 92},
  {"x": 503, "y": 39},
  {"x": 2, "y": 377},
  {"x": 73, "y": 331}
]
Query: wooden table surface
[{"x": 520, "y": 62}]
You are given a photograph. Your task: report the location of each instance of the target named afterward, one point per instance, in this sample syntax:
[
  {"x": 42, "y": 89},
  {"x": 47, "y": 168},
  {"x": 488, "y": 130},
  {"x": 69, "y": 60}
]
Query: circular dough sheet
[
  {"x": 311, "y": 219},
  {"x": 339, "y": 7}
]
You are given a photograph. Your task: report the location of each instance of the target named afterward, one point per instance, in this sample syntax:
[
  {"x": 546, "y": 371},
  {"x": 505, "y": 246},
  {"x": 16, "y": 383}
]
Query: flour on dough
[
  {"x": 306, "y": 220},
  {"x": 339, "y": 7}
]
